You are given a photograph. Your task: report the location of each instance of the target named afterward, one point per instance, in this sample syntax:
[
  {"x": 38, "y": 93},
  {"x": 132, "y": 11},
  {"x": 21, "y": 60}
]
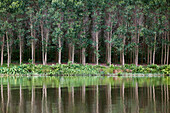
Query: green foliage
[{"x": 78, "y": 69}]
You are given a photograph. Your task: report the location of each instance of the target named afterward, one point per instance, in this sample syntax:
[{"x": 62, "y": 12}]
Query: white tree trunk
[
  {"x": 42, "y": 42},
  {"x": 97, "y": 48},
  {"x": 165, "y": 50},
  {"x": 137, "y": 50},
  {"x": 168, "y": 49},
  {"x": 2, "y": 50},
  {"x": 162, "y": 55},
  {"x": 72, "y": 53},
  {"x": 154, "y": 50},
  {"x": 123, "y": 55},
  {"x": 69, "y": 52},
  {"x": 59, "y": 52},
  {"x": 46, "y": 45},
  {"x": 8, "y": 49},
  {"x": 150, "y": 56},
  {"x": 20, "y": 46},
  {"x": 83, "y": 56},
  {"x": 32, "y": 40}
]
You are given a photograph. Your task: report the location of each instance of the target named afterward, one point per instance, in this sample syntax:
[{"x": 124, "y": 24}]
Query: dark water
[{"x": 84, "y": 95}]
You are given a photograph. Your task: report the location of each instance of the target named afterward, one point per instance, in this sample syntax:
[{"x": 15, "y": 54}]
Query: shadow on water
[{"x": 84, "y": 95}]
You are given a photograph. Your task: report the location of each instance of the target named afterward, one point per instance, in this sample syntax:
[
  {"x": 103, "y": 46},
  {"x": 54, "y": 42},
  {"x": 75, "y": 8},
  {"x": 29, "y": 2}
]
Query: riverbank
[
  {"x": 78, "y": 69},
  {"x": 87, "y": 70}
]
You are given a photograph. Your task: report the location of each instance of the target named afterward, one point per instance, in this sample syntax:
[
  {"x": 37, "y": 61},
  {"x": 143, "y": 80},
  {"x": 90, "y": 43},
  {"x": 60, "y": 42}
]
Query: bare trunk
[
  {"x": 2, "y": 50},
  {"x": 148, "y": 56},
  {"x": 8, "y": 49},
  {"x": 108, "y": 47},
  {"x": 46, "y": 45},
  {"x": 137, "y": 49},
  {"x": 32, "y": 40},
  {"x": 97, "y": 48},
  {"x": 34, "y": 43},
  {"x": 42, "y": 39},
  {"x": 123, "y": 55},
  {"x": 165, "y": 50},
  {"x": 154, "y": 50},
  {"x": 72, "y": 54},
  {"x": 32, "y": 51},
  {"x": 59, "y": 51},
  {"x": 20, "y": 47},
  {"x": 168, "y": 49},
  {"x": 83, "y": 56},
  {"x": 69, "y": 51},
  {"x": 162, "y": 51}
]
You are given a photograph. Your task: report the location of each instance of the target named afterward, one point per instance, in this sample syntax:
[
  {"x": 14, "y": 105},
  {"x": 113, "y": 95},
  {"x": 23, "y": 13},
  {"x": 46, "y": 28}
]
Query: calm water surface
[{"x": 84, "y": 94}]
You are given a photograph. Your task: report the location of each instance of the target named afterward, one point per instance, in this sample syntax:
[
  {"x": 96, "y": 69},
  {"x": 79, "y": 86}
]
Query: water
[{"x": 84, "y": 95}]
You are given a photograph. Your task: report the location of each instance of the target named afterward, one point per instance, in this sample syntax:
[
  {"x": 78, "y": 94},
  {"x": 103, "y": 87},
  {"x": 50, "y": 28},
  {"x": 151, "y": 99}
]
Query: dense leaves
[{"x": 104, "y": 31}]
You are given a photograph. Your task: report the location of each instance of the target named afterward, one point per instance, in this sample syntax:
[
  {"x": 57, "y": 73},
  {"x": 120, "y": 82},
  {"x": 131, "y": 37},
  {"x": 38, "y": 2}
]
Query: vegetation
[
  {"x": 79, "y": 69},
  {"x": 84, "y": 31}
]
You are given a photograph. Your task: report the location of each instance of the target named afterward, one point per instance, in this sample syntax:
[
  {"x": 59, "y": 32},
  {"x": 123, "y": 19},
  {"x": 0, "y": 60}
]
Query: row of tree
[{"x": 93, "y": 31}]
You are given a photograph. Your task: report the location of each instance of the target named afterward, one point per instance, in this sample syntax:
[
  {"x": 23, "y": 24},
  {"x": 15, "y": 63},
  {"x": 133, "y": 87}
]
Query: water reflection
[{"x": 94, "y": 95}]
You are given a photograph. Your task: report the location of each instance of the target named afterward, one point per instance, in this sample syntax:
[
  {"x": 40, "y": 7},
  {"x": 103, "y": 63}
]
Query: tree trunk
[
  {"x": 32, "y": 47},
  {"x": 137, "y": 49},
  {"x": 154, "y": 50},
  {"x": 8, "y": 49},
  {"x": 32, "y": 40},
  {"x": 34, "y": 43},
  {"x": 69, "y": 51},
  {"x": 72, "y": 54},
  {"x": 123, "y": 55},
  {"x": 97, "y": 48},
  {"x": 59, "y": 46},
  {"x": 162, "y": 55},
  {"x": 2, "y": 50},
  {"x": 20, "y": 46},
  {"x": 46, "y": 45},
  {"x": 42, "y": 39},
  {"x": 83, "y": 56},
  {"x": 167, "y": 49},
  {"x": 59, "y": 51},
  {"x": 108, "y": 49},
  {"x": 148, "y": 55}
]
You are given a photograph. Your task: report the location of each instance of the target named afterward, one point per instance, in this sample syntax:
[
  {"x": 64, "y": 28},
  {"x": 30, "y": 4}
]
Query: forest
[{"x": 85, "y": 31}]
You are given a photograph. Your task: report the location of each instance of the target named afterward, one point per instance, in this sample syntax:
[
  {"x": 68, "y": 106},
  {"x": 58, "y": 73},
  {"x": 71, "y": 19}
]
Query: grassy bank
[{"x": 78, "y": 69}]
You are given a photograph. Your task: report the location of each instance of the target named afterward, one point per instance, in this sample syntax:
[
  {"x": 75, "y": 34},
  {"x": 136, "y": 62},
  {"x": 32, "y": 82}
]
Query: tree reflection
[
  {"x": 44, "y": 108},
  {"x": 59, "y": 99},
  {"x": 97, "y": 99},
  {"x": 124, "y": 95},
  {"x": 2, "y": 98},
  {"x": 8, "y": 97},
  {"x": 32, "y": 99},
  {"x": 137, "y": 98},
  {"x": 83, "y": 93},
  {"x": 20, "y": 100}
]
